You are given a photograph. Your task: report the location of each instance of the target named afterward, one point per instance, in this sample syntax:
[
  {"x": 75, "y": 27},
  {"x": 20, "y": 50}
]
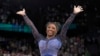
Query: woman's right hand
[{"x": 22, "y": 12}]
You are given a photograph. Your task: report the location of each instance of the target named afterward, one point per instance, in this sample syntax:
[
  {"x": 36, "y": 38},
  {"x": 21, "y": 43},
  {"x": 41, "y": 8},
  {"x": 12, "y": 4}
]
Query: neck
[{"x": 49, "y": 37}]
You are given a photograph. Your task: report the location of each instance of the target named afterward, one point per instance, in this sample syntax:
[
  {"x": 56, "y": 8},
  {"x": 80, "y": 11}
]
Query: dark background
[
  {"x": 88, "y": 22},
  {"x": 35, "y": 9}
]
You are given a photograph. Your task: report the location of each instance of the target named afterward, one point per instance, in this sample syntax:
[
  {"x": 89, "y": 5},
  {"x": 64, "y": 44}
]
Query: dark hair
[{"x": 57, "y": 24}]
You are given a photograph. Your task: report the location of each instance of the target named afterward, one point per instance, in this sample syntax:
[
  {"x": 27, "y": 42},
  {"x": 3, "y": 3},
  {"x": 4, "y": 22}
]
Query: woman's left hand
[{"x": 77, "y": 9}]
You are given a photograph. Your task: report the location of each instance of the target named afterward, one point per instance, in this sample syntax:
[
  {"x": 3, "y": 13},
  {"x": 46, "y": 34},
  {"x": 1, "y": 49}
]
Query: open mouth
[{"x": 50, "y": 32}]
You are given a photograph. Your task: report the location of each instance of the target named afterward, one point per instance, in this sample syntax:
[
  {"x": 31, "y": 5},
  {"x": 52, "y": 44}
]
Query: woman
[{"x": 50, "y": 45}]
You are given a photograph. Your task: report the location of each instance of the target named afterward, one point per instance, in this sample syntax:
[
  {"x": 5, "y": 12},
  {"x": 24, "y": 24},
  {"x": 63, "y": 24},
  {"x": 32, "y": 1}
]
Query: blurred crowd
[
  {"x": 42, "y": 15},
  {"x": 14, "y": 47},
  {"x": 74, "y": 46}
]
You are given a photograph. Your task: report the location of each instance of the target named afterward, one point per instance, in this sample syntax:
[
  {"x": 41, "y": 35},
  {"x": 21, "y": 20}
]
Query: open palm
[
  {"x": 77, "y": 9},
  {"x": 22, "y": 12}
]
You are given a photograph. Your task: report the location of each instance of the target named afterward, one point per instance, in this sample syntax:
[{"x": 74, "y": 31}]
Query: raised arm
[
  {"x": 66, "y": 25},
  {"x": 29, "y": 22}
]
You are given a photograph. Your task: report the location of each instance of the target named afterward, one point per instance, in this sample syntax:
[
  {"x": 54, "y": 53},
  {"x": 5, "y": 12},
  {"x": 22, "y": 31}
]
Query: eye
[
  {"x": 53, "y": 28},
  {"x": 48, "y": 27}
]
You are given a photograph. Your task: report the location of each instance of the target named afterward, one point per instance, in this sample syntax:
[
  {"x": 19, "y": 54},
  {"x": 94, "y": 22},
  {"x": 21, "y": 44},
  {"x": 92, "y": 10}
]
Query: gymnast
[{"x": 50, "y": 44}]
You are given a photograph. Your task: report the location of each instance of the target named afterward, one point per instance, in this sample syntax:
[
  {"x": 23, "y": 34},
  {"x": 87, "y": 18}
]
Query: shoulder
[
  {"x": 40, "y": 37},
  {"x": 58, "y": 37},
  {"x": 61, "y": 38}
]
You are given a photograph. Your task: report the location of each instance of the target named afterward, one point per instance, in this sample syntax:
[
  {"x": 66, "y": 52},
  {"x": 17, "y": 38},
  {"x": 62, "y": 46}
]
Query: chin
[{"x": 50, "y": 35}]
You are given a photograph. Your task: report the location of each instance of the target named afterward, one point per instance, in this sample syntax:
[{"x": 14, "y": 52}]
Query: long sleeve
[
  {"x": 32, "y": 26},
  {"x": 66, "y": 25}
]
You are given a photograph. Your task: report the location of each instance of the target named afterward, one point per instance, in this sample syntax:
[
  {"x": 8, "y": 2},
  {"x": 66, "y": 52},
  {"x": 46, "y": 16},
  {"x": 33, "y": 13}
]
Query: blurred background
[{"x": 83, "y": 35}]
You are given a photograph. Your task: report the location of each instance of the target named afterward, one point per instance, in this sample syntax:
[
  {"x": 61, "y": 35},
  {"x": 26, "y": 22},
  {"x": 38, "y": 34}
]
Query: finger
[
  {"x": 80, "y": 7},
  {"x": 17, "y": 13},
  {"x": 82, "y": 10},
  {"x": 74, "y": 6},
  {"x": 23, "y": 9}
]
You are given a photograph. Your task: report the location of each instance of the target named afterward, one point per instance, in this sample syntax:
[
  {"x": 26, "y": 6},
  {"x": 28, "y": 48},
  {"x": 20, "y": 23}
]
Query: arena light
[{"x": 16, "y": 28}]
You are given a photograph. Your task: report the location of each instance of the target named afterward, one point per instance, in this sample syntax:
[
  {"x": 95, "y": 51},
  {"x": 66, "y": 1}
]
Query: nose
[{"x": 50, "y": 29}]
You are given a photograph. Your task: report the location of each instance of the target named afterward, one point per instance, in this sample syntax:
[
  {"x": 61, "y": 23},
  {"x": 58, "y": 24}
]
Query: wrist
[
  {"x": 24, "y": 15},
  {"x": 75, "y": 13}
]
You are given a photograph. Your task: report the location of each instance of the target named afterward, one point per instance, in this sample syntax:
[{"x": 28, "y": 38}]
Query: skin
[{"x": 51, "y": 30}]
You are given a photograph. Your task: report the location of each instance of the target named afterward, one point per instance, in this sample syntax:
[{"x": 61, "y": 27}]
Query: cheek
[
  {"x": 55, "y": 31},
  {"x": 46, "y": 31}
]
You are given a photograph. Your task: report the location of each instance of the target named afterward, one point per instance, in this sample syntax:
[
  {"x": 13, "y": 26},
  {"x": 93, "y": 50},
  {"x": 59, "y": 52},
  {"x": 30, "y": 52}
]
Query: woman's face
[{"x": 51, "y": 30}]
